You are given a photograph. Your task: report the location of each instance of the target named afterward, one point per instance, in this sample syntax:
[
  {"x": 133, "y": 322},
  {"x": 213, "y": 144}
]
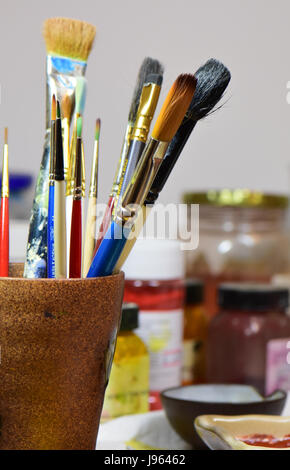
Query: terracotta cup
[{"x": 57, "y": 341}]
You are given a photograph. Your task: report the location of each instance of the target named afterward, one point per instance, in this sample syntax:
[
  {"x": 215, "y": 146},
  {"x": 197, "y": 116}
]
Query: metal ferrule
[
  {"x": 93, "y": 192},
  {"x": 65, "y": 133},
  {"x": 51, "y": 176},
  {"x": 62, "y": 76},
  {"x": 145, "y": 173},
  {"x": 5, "y": 173},
  {"x": 146, "y": 109},
  {"x": 77, "y": 189},
  {"x": 70, "y": 183},
  {"x": 83, "y": 172},
  {"x": 122, "y": 161},
  {"x": 77, "y": 193}
]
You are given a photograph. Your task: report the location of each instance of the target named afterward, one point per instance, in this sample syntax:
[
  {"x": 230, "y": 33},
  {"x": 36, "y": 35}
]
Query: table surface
[{"x": 110, "y": 434}]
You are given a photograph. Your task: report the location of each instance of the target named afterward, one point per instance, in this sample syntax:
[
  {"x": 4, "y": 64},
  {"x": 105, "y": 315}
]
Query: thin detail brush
[
  {"x": 75, "y": 264},
  {"x": 59, "y": 203},
  {"x": 4, "y": 216},
  {"x": 68, "y": 44},
  {"x": 90, "y": 236},
  {"x": 51, "y": 195},
  {"x": 167, "y": 123},
  {"x": 66, "y": 108},
  {"x": 80, "y": 97}
]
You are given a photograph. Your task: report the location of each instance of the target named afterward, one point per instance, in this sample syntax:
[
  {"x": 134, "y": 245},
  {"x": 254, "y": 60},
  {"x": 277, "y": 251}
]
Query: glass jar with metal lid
[{"x": 242, "y": 237}]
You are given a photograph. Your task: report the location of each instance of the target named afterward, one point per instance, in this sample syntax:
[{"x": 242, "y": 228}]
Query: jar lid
[
  {"x": 153, "y": 259},
  {"x": 253, "y": 297},
  {"x": 194, "y": 291},
  {"x": 236, "y": 198},
  {"x": 130, "y": 313}
]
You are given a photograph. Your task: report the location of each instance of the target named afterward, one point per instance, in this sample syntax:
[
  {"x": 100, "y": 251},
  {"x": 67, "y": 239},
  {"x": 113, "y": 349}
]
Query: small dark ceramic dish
[{"x": 183, "y": 404}]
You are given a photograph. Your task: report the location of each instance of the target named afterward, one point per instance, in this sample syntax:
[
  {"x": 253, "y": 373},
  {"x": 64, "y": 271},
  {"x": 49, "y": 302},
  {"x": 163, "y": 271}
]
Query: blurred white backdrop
[{"x": 246, "y": 144}]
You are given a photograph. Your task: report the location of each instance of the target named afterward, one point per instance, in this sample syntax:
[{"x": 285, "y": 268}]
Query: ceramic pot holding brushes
[{"x": 57, "y": 343}]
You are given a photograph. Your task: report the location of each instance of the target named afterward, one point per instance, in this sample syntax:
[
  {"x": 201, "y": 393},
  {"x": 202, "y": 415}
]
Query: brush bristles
[
  {"x": 66, "y": 107},
  {"x": 57, "y": 110},
  {"x": 212, "y": 80},
  {"x": 174, "y": 108},
  {"x": 98, "y": 126},
  {"x": 53, "y": 108},
  {"x": 148, "y": 67},
  {"x": 68, "y": 38},
  {"x": 6, "y": 135}
]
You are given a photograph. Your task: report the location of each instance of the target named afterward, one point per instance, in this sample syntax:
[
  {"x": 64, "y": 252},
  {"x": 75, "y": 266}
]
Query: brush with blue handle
[
  {"x": 167, "y": 123},
  {"x": 50, "y": 214}
]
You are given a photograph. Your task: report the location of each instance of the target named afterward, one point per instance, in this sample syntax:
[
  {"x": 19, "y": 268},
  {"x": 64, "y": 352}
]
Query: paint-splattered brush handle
[{"x": 36, "y": 253}]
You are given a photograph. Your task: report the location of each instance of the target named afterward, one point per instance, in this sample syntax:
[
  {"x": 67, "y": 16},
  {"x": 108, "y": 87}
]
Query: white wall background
[{"x": 246, "y": 144}]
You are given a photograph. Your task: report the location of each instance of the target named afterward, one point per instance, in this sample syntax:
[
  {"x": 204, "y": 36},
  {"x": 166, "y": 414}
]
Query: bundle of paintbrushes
[{"x": 56, "y": 245}]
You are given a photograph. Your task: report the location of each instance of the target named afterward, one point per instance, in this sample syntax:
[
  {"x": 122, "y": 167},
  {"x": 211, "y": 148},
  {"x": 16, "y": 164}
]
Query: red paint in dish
[{"x": 267, "y": 440}]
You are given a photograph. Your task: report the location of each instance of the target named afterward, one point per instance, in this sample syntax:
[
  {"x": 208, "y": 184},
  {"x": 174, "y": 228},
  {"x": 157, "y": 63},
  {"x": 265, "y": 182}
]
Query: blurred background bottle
[
  {"x": 128, "y": 388},
  {"x": 154, "y": 279},
  {"x": 195, "y": 333}
]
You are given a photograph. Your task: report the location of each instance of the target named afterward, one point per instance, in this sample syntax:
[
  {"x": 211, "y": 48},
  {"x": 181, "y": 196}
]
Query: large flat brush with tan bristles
[
  {"x": 68, "y": 45},
  {"x": 167, "y": 123}
]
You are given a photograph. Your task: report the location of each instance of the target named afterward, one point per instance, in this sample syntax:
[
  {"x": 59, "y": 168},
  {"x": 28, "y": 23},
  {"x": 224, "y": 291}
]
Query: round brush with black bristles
[{"x": 212, "y": 80}]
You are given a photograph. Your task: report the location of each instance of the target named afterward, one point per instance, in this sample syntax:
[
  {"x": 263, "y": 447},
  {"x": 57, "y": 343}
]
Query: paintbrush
[
  {"x": 51, "y": 194},
  {"x": 148, "y": 102},
  {"x": 167, "y": 123},
  {"x": 149, "y": 66},
  {"x": 90, "y": 236},
  {"x": 4, "y": 216},
  {"x": 59, "y": 202},
  {"x": 66, "y": 110},
  {"x": 75, "y": 264},
  {"x": 68, "y": 44},
  {"x": 80, "y": 98},
  {"x": 212, "y": 80}
]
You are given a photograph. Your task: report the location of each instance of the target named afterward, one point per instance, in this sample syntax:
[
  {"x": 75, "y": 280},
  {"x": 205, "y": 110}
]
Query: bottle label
[
  {"x": 162, "y": 332},
  {"x": 278, "y": 365},
  {"x": 128, "y": 388}
]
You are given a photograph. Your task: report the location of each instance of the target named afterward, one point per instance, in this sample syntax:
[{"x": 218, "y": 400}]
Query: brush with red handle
[
  {"x": 75, "y": 261},
  {"x": 4, "y": 213}
]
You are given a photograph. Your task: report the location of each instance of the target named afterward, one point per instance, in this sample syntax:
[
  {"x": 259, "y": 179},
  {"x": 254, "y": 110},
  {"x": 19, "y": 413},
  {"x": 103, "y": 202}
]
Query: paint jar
[
  {"x": 128, "y": 388},
  {"x": 249, "y": 340},
  {"x": 154, "y": 280},
  {"x": 195, "y": 332},
  {"x": 57, "y": 340},
  {"x": 242, "y": 237}
]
